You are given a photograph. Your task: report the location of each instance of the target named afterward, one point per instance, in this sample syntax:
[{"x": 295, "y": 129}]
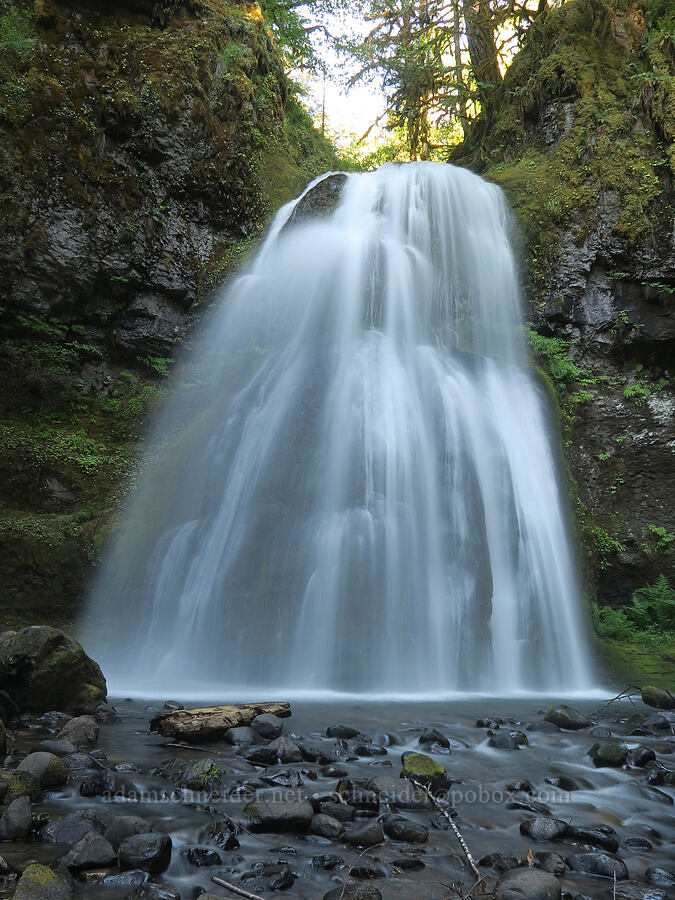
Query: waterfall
[{"x": 354, "y": 486}]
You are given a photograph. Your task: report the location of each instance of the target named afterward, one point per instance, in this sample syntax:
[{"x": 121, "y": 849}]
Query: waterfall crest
[{"x": 355, "y": 486}]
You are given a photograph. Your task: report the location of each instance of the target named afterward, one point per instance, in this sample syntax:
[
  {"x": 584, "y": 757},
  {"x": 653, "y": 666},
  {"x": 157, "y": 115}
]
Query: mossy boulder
[
  {"x": 42, "y": 668},
  {"x": 19, "y": 784},
  {"x": 608, "y": 755},
  {"x": 661, "y": 699},
  {"x": 40, "y": 883},
  {"x": 566, "y": 717},
  {"x": 422, "y": 768},
  {"x": 50, "y": 770}
]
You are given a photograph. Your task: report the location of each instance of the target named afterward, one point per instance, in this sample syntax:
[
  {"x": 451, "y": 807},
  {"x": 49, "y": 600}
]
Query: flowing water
[{"x": 355, "y": 487}]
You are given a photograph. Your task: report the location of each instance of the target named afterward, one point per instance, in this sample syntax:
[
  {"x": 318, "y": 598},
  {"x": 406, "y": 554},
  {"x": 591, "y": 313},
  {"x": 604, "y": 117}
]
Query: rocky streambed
[{"x": 314, "y": 805}]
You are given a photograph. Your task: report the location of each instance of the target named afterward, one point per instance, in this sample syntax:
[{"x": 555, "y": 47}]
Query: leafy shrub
[{"x": 649, "y": 618}]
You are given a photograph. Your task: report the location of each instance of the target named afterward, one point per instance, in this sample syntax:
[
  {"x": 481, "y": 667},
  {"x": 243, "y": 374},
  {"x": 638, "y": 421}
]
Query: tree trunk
[
  {"x": 211, "y": 722},
  {"x": 483, "y": 52},
  {"x": 459, "y": 77}
]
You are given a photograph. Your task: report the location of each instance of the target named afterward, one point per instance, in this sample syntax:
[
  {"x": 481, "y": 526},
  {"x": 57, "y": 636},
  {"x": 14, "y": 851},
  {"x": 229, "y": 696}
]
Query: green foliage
[
  {"x": 17, "y": 36},
  {"x": 665, "y": 539},
  {"x": 158, "y": 364},
  {"x": 555, "y": 351},
  {"x": 638, "y": 391},
  {"x": 650, "y": 618},
  {"x": 604, "y": 545}
]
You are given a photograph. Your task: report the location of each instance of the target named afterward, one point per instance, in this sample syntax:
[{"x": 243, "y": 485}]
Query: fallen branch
[
  {"x": 211, "y": 722},
  {"x": 626, "y": 694},
  {"x": 235, "y": 890},
  {"x": 446, "y": 815}
]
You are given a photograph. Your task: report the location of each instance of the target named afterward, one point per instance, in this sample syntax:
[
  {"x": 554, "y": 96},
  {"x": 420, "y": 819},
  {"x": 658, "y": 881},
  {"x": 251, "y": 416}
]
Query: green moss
[
  {"x": 422, "y": 767},
  {"x": 635, "y": 663}
]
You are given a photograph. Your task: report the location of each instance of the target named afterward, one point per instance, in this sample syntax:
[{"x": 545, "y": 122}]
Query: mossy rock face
[
  {"x": 42, "y": 668},
  {"x": 422, "y": 768},
  {"x": 40, "y": 883},
  {"x": 661, "y": 699},
  {"x": 20, "y": 784}
]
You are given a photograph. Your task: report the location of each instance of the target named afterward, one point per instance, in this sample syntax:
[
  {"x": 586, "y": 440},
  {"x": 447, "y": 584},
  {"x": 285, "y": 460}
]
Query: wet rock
[
  {"x": 283, "y": 778},
  {"x": 80, "y": 762},
  {"x": 287, "y": 751},
  {"x": 40, "y": 883},
  {"x": 108, "y": 784},
  {"x": 344, "y": 732},
  {"x": 653, "y": 794},
  {"x": 633, "y": 890},
  {"x": 566, "y": 717},
  {"x": 660, "y": 877},
  {"x": 358, "y": 795},
  {"x": 131, "y": 879},
  {"x": 319, "y": 201},
  {"x": 16, "y": 821},
  {"x": 326, "y": 826},
  {"x": 242, "y": 736},
  {"x": 81, "y": 731},
  {"x": 353, "y": 890},
  {"x": 150, "y": 852},
  {"x": 20, "y": 784},
  {"x": 637, "y": 843},
  {"x": 640, "y": 756},
  {"x": 321, "y": 752},
  {"x": 267, "y": 876},
  {"x": 328, "y": 862},
  {"x": 343, "y": 812},
  {"x": 657, "y": 697},
  {"x": 407, "y": 863},
  {"x": 201, "y": 775},
  {"x": 608, "y": 755},
  {"x": 154, "y": 892},
  {"x": 70, "y": 828},
  {"x": 433, "y": 736},
  {"x": 365, "y": 872},
  {"x": 260, "y": 756},
  {"x": 224, "y": 834},
  {"x": 603, "y": 836},
  {"x": 424, "y": 769},
  {"x": 361, "y": 749},
  {"x": 499, "y": 862},
  {"x": 603, "y": 864},
  {"x": 91, "y": 851},
  {"x": 364, "y": 835},
  {"x": 544, "y": 828},
  {"x": 550, "y": 862},
  {"x": 399, "y": 792},
  {"x": 600, "y": 731},
  {"x": 531, "y": 884},
  {"x": 48, "y": 768},
  {"x": 268, "y": 726},
  {"x": 58, "y": 748},
  {"x": 119, "y": 828},
  {"x": 398, "y": 828},
  {"x": 41, "y": 668},
  {"x": 202, "y": 857},
  {"x": 278, "y": 815},
  {"x": 512, "y": 740}
]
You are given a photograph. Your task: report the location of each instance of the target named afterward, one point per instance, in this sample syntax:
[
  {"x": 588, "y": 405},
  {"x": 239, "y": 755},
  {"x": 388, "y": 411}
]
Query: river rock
[
  {"x": 399, "y": 792},
  {"x": 203, "y": 857},
  {"x": 70, "y": 828},
  {"x": 132, "y": 878},
  {"x": 343, "y": 812},
  {"x": 499, "y": 862},
  {"x": 660, "y": 877},
  {"x": 260, "y": 756},
  {"x": 81, "y": 731},
  {"x": 328, "y": 862},
  {"x": 531, "y": 884},
  {"x": 544, "y": 828},
  {"x": 603, "y": 864},
  {"x": 358, "y": 795},
  {"x": 345, "y": 732},
  {"x": 40, "y": 883},
  {"x": 119, "y": 828},
  {"x": 278, "y": 815},
  {"x": 326, "y": 826},
  {"x": 267, "y": 876},
  {"x": 150, "y": 852},
  {"x": 424, "y": 769},
  {"x": 657, "y": 697},
  {"x": 20, "y": 784},
  {"x": 108, "y": 784},
  {"x": 511, "y": 740},
  {"x": 80, "y": 762},
  {"x": 319, "y": 201},
  {"x": 550, "y": 862},
  {"x": 16, "y": 821},
  {"x": 603, "y": 836},
  {"x": 41, "y": 668},
  {"x": 433, "y": 736},
  {"x": 287, "y": 751},
  {"x": 242, "y": 736},
  {"x": 637, "y": 843},
  {"x": 364, "y": 835},
  {"x": 151, "y": 891},
  {"x": 58, "y": 748},
  {"x": 48, "y": 768},
  {"x": 608, "y": 755},
  {"x": 91, "y": 851},
  {"x": 268, "y": 726},
  {"x": 566, "y": 717},
  {"x": 398, "y": 828},
  {"x": 641, "y": 755}
]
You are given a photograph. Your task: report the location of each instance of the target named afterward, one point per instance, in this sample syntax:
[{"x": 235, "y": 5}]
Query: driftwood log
[{"x": 211, "y": 722}]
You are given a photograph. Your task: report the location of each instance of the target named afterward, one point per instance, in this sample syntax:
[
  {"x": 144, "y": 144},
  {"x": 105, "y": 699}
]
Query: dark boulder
[
  {"x": 608, "y": 755},
  {"x": 40, "y": 883},
  {"x": 326, "y": 826},
  {"x": 603, "y": 864},
  {"x": 150, "y": 852},
  {"x": 658, "y": 697},
  {"x": 16, "y": 821},
  {"x": 49, "y": 769},
  {"x": 90, "y": 852},
  {"x": 398, "y": 828},
  {"x": 278, "y": 815},
  {"x": 566, "y": 717},
  {"x": 544, "y": 828},
  {"x": 527, "y": 884},
  {"x": 82, "y": 732},
  {"x": 267, "y": 876},
  {"x": 268, "y": 726},
  {"x": 319, "y": 201},
  {"x": 42, "y": 668},
  {"x": 364, "y": 835}
]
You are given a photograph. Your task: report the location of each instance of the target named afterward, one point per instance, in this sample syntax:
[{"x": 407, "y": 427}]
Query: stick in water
[
  {"x": 458, "y": 834},
  {"x": 234, "y": 888}
]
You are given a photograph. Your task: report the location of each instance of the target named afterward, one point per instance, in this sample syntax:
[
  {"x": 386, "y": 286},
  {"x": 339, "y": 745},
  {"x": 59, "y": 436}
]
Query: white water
[{"x": 356, "y": 487}]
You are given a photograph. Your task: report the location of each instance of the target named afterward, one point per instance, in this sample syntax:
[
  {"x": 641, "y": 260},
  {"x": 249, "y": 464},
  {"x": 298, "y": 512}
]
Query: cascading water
[{"x": 355, "y": 488}]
